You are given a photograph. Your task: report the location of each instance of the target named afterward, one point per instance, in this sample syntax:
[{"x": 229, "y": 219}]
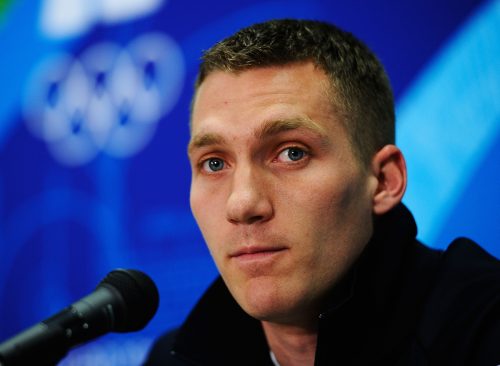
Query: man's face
[{"x": 277, "y": 192}]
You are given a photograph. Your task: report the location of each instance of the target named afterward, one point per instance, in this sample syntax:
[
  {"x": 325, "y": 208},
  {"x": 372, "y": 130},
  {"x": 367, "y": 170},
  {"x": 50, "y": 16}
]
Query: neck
[{"x": 291, "y": 345}]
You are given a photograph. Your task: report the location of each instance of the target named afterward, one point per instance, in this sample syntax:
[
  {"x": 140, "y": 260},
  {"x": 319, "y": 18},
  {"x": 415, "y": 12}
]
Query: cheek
[
  {"x": 200, "y": 201},
  {"x": 206, "y": 197},
  {"x": 208, "y": 208},
  {"x": 324, "y": 201},
  {"x": 334, "y": 218}
]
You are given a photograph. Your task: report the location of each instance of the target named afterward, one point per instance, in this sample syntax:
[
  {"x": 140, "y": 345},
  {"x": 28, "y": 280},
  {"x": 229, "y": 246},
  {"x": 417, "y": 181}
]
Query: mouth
[{"x": 257, "y": 254}]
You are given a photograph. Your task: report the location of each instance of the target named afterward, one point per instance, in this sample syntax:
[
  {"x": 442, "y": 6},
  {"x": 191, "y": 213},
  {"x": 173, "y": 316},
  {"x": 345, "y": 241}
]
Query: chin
[{"x": 271, "y": 303}]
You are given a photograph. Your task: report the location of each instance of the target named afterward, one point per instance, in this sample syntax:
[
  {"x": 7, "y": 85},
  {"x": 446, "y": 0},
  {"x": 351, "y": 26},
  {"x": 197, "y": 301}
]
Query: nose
[{"x": 249, "y": 201}]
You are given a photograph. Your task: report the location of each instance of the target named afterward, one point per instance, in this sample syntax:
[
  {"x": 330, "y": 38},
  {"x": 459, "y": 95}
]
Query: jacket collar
[
  {"x": 388, "y": 286},
  {"x": 219, "y": 332},
  {"x": 370, "y": 313}
]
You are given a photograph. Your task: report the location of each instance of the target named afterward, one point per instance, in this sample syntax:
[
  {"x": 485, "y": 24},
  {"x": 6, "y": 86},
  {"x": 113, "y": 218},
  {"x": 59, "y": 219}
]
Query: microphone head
[{"x": 140, "y": 298}]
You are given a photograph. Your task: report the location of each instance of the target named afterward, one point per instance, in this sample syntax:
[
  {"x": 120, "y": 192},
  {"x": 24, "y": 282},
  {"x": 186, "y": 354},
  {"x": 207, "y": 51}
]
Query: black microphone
[{"x": 125, "y": 301}]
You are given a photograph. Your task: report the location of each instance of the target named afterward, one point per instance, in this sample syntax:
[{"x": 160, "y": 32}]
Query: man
[{"x": 297, "y": 188}]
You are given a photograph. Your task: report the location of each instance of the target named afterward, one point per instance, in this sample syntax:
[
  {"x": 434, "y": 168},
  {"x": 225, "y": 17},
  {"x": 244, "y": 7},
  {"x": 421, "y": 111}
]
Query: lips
[{"x": 256, "y": 253}]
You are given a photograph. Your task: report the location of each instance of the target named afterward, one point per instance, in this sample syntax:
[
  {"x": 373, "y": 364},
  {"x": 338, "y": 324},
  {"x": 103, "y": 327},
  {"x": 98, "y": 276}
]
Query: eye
[
  {"x": 292, "y": 154},
  {"x": 213, "y": 165}
]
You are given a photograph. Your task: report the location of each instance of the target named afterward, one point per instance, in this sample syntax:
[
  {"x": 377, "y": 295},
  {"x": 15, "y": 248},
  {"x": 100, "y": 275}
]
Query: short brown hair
[{"x": 360, "y": 91}]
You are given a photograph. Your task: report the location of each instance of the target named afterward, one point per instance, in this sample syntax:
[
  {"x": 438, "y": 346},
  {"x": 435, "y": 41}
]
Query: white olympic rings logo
[{"x": 108, "y": 99}]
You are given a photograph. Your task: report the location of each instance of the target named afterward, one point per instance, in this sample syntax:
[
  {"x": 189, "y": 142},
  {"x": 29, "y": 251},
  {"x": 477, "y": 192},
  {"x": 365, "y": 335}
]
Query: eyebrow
[
  {"x": 206, "y": 139},
  {"x": 275, "y": 127},
  {"x": 268, "y": 129}
]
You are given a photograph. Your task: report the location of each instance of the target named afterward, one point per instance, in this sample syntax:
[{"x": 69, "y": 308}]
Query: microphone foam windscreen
[{"x": 140, "y": 296}]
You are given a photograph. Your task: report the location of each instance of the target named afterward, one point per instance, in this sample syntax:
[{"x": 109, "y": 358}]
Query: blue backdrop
[{"x": 94, "y": 100}]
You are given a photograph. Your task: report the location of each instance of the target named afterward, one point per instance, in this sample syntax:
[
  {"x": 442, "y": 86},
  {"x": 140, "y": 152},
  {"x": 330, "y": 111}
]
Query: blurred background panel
[{"x": 94, "y": 109}]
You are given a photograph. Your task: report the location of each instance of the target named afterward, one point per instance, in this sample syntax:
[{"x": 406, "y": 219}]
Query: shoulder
[
  {"x": 467, "y": 255},
  {"x": 469, "y": 274},
  {"x": 467, "y": 270},
  {"x": 461, "y": 319},
  {"x": 160, "y": 353}
]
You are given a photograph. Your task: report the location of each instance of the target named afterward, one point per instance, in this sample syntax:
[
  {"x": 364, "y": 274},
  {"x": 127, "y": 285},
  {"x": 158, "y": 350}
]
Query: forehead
[{"x": 294, "y": 88}]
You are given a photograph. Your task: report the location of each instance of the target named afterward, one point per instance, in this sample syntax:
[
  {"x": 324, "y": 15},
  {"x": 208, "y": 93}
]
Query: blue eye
[
  {"x": 292, "y": 154},
  {"x": 213, "y": 164}
]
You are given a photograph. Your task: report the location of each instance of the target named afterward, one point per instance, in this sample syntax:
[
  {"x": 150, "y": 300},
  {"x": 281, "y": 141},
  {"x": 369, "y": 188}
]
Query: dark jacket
[{"x": 401, "y": 304}]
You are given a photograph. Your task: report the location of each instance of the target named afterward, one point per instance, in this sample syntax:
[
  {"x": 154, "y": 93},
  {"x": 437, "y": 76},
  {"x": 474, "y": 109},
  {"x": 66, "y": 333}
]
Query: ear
[{"x": 389, "y": 168}]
